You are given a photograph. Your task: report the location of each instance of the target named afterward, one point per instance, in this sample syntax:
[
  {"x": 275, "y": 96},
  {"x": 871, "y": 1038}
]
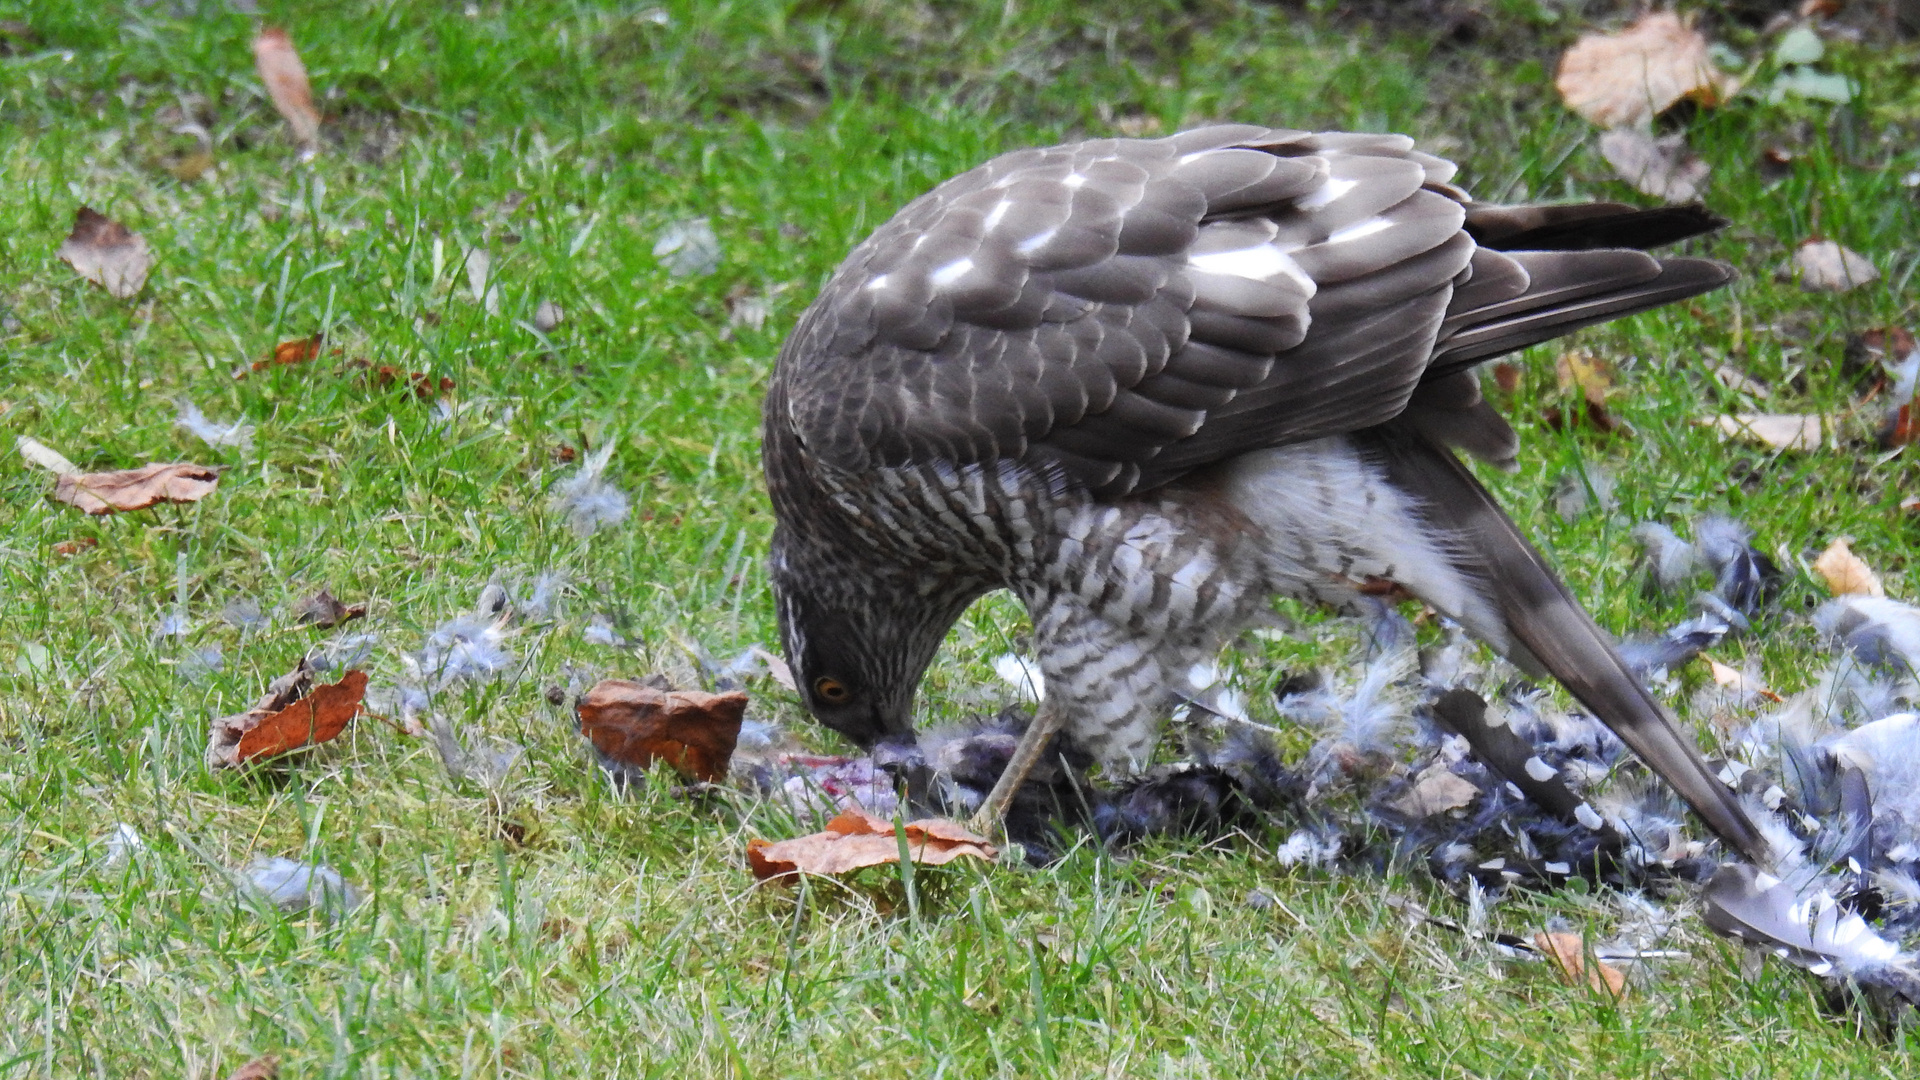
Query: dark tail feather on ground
[{"x": 1548, "y": 626}]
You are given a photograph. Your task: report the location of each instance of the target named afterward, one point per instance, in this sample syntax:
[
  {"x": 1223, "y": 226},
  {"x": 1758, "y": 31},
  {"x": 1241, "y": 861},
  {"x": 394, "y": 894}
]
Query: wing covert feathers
[
  {"x": 1552, "y": 630},
  {"x": 1126, "y": 311}
]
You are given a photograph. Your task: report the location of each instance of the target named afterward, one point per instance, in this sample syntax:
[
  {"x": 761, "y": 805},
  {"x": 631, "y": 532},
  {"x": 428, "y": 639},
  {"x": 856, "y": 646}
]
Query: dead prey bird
[{"x": 1147, "y": 385}]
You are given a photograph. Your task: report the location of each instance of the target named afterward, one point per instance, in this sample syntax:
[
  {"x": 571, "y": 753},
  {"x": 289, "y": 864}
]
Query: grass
[{"x": 560, "y": 928}]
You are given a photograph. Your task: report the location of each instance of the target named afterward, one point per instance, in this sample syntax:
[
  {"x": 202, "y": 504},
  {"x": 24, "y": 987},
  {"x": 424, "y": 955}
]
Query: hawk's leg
[{"x": 1047, "y": 721}]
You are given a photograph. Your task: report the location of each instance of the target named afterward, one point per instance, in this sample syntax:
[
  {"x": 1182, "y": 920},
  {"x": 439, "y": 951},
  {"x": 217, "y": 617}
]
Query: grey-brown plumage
[{"x": 1147, "y": 385}]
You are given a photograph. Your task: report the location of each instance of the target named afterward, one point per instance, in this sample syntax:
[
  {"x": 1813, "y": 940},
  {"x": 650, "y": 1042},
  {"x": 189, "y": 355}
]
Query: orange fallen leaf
[
  {"x": 266, "y": 1067},
  {"x": 285, "y": 78},
  {"x": 295, "y": 351},
  {"x": 1626, "y": 79},
  {"x": 75, "y": 547},
  {"x": 856, "y": 839},
  {"x": 1590, "y": 375},
  {"x": 1738, "y": 682},
  {"x": 1910, "y": 504},
  {"x": 136, "y": 489},
  {"x": 107, "y": 253},
  {"x": 293, "y": 714},
  {"x": 1568, "y": 953},
  {"x": 633, "y": 725},
  {"x": 1845, "y": 573},
  {"x": 1903, "y": 428}
]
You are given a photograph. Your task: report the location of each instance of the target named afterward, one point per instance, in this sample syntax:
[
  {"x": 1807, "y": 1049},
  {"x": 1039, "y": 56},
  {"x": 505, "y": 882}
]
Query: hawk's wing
[{"x": 1127, "y": 311}]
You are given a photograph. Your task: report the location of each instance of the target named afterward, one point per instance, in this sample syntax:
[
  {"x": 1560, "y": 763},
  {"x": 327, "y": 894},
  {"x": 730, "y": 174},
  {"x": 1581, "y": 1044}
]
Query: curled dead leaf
[
  {"x": 1845, "y": 573},
  {"x": 322, "y": 610},
  {"x": 1590, "y": 375},
  {"x": 632, "y": 725},
  {"x": 136, "y": 489},
  {"x": 294, "y": 351},
  {"x": 1435, "y": 791},
  {"x": 1778, "y": 431},
  {"x": 777, "y": 669},
  {"x": 107, "y": 253},
  {"x": 265, "y": 1067},
  {"x": 1568, "y": 952},
  {"x": 285, "y": 78},
  {"x": 293, "y": 714},
  {"x": 856, "y": 839},
  {"x": 1626, "y": 79},
  {"x": 1661, "y": 167},
  {"x": 1824, "y": 266}
]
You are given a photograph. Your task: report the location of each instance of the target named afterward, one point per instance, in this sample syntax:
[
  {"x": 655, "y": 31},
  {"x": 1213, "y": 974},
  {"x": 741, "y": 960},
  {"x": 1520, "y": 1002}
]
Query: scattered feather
[
  {"x": 1878, "y": 631},
  {"x": 1808, "y": 928},
  {"x": 589, "y": 501},
  {"x": 1023, "y": 675},
  {"x": 244, "y": 615},
  {"x": 295, "y": 887},
  {"x": 123, "y": 843},
  {"x": 464, "y": 647},
  {"x": 238, "y": 434},
  {"x": 688, "y": 248},
  {"x": 486, "y": 766},
  {"x": 600, "y": 631},
  {"x": 1671, "y": 560}
]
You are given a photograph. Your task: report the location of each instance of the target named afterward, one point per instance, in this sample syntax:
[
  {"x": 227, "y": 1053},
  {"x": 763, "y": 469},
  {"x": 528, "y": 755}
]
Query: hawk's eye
[{"x": 831, "y": 691}]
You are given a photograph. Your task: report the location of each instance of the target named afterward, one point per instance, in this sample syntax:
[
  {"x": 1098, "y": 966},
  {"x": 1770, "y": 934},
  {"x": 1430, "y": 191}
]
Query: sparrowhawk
[{"x": 1148, "y": 385}]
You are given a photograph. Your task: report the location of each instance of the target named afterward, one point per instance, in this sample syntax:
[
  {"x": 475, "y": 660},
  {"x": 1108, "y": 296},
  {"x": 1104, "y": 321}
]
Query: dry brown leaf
[
  {"x": 856, "y": 839},
  {"x": 1735, "y": 681},
  {"x": 1589, "y": 414},
  {"x": 1661, "y": 167},
  {"x": 107, "y": 253},
  {"x": 291, "y": 715},
  {"x": 266, "y": 1067},
  {"x": 634, "y": 725},
  {"x": 136, "y": 489},
  {"x": 295, "y": 351},
  {"x": 1626, "y": 79},
  {"x": 1436, "y": 791},
  {"x": 1824, "y": 266},
  {"x": 1569, "y": 956},
  {"x": 1779, "y": 431},
  {"x": 1739, "y": 381},
  {"x": 1506, "y": 376},
  {"x": 76, "y": 546},
  {"x": 285, "y": 78},
  {"x": 777, "y": 669},
  {"x": 1845, "y": 573},
  {"x": 322, "y": 610},
  {"x": 1590, "y": 375}
]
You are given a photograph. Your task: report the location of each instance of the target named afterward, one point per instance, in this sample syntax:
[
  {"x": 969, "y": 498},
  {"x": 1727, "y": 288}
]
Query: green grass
[{"x": 562, "y": 929}]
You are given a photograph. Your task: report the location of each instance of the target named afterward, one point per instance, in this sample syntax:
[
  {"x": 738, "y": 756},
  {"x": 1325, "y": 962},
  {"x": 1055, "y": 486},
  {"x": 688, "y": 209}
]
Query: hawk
[{"x": 1149, "y": 385}]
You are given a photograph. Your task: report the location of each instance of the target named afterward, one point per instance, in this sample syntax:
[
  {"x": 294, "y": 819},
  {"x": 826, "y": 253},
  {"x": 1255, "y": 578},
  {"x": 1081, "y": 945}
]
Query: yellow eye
[{"x": 831, "y": 691}]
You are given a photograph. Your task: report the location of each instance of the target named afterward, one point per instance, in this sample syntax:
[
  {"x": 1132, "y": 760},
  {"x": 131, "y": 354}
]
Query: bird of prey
[{"x": 1148, "y": 385}]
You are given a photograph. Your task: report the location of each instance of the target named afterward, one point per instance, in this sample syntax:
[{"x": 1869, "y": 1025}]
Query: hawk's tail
[{"x": 1547, "y": 626}]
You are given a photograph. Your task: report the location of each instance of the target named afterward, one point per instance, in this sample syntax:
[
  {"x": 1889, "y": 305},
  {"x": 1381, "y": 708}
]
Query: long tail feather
[{"x": 1547, "y": 625}]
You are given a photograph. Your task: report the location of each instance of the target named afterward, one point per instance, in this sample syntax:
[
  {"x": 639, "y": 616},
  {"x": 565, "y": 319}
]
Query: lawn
[{"x": 483, "y": 160}]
